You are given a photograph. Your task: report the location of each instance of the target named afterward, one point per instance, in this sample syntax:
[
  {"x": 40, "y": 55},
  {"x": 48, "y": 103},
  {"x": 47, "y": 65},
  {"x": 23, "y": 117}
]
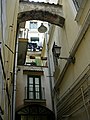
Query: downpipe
[
  {"x": 15, "y": 75},
  {"x": 14, "y": 78}
]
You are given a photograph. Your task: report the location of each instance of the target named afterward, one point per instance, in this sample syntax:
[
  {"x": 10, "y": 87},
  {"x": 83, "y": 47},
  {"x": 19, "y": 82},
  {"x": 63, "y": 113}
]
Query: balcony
[
  {"x": 35, "y": 96},
  {"x": 36, "y": 61}
]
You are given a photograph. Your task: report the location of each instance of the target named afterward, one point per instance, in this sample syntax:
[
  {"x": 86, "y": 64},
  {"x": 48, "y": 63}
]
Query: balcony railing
[
  {"x": 37, "y": 94},
  {"x": 42, "y": 64},
  {"x": 36, "y": 61}
]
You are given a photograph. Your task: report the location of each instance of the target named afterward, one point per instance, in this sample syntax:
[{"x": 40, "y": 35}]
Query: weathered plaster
[{"x": 51, "y": 13}]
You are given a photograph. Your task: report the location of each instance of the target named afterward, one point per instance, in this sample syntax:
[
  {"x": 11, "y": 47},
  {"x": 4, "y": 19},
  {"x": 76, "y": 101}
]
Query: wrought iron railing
[
  {"x": 36, "y": 61},
  {"x": 37, "y": 94}
]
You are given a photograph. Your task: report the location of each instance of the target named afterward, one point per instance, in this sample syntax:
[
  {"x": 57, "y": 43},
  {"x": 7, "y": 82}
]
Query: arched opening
[
  {"x": 51, "y": 13},
  {"x": 34, "y": 112}
]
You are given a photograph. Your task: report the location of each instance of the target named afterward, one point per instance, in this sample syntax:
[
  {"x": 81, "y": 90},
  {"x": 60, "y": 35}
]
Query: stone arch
[
  {"x": 41, "y": 11},
  {"x": 35, "y": 110}
]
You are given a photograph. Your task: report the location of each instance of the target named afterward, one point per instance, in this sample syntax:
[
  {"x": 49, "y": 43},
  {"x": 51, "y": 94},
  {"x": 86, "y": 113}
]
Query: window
[
  {"x": 77, "y": 4},
  {"x": 34, "y": 87},
  {"x": 33, "y": 39},
  {"x": 33, "y": 25}
]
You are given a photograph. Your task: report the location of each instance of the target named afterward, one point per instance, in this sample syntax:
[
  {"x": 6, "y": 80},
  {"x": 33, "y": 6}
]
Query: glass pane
[
  {"x": 36, "y": 88},
  {"x": 31, "y": 95},
  {"x": 36, "y": 80},
  {"x": 33, "y": 25},
  {"x": 37, "y": 95},
  {"x": 30, "y": 80},
  {"x": 30, "y": 88}
]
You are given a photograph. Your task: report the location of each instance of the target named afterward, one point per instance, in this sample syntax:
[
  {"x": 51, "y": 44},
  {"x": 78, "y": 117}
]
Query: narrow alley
[{"x": 44, "y": 60}]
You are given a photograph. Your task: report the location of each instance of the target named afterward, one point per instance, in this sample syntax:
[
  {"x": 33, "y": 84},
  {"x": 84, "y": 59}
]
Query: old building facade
[
  {"x": 8, "y": 25},
  {"x": 36, "y": 82},
  {"x": 71, "y": 68}
]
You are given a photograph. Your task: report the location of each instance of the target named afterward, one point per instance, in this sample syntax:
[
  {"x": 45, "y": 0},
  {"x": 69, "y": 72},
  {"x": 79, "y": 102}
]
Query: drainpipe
[
  {"x": 14, "y": 78},
  {"x": 14, "y": 84}
]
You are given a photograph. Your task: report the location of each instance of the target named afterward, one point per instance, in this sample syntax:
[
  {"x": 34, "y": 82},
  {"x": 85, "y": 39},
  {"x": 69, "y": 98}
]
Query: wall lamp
[{"x": 57, "y": 51}]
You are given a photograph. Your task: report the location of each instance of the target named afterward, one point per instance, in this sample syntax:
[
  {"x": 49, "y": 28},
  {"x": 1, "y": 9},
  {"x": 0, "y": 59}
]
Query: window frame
[
  {"x": 80, "y": 10},
  {"x": 34, "y": 91},
  {"x": 77, "y": 4}
]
